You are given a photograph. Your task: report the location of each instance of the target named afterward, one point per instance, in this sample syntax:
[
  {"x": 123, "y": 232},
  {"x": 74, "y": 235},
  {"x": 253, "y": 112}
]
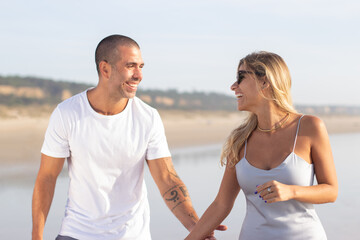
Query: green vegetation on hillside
[
  {"x": 49, "y": 92},
  {"x": 53, "y": 90},
  {"x": 32, "y": 91}
]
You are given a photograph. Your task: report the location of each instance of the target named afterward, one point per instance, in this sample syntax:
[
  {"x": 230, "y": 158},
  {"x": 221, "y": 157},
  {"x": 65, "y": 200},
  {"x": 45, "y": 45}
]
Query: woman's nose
[{"x": 233, "y": 86}]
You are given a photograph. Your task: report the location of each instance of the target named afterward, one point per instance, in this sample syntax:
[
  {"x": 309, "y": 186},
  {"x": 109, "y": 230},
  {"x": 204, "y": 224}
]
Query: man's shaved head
[{"x": 107, "y": 49}]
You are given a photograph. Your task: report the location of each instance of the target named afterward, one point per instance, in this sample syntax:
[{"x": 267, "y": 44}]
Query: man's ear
[{"x": 105, "y": 69}]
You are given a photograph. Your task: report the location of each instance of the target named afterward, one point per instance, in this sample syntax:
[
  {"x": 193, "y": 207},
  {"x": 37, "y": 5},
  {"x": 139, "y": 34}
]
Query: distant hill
[
  {"x": 32, "y": 91},
  {"x": 15, "y": 91},
  {"x": 25, "y": 91}
]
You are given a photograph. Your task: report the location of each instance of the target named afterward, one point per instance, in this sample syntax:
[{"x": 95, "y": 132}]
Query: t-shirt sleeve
[
  {"x": 56, "y": 143},
  {"x": 157, "y": 147}
]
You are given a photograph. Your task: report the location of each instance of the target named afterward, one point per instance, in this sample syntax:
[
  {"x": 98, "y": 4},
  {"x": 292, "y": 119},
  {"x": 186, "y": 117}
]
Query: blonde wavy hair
[{"x": 274, "y": 69}]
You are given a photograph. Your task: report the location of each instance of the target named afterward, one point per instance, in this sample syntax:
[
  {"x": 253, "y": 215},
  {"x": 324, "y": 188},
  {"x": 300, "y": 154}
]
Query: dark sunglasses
[{"x": 241, "y": 75}]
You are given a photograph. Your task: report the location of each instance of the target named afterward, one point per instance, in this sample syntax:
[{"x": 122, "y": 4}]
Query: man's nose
[{"x": 138, "y": 74}]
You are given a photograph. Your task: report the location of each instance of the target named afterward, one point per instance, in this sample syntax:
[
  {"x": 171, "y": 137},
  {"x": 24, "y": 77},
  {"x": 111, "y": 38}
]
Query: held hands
[
  {"x": 274, "y": 191},
  {"x": 211, "y": 235},
  {"x": 219, "y": 228}
]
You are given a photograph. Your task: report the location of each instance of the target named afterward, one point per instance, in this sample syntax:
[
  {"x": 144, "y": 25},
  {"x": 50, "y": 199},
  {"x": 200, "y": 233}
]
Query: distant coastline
[{"x": 35, "y": 96}]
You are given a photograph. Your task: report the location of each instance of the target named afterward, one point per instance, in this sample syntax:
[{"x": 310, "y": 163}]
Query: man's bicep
[{"x": 50, "y": 166}]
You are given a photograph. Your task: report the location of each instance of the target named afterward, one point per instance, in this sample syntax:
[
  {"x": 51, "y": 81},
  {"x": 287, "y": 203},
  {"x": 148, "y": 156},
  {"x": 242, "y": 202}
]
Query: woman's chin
[{"x": 241, "y": 108}]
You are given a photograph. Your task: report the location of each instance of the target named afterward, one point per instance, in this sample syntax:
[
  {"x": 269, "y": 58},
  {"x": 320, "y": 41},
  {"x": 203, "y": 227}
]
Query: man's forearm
[
  {"x": 42, "y": 198},
  {"x": 173, "y": 191},
  {"x": 178, "y": 200}
]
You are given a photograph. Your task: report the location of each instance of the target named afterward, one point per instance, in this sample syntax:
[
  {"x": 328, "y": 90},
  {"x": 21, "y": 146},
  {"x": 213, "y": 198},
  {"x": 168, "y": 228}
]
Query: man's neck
[{"x": 103, "y": 104}]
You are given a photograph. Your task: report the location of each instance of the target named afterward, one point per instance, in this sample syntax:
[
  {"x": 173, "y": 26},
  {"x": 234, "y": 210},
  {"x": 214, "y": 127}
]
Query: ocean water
[{"x": 199, "y": 168}]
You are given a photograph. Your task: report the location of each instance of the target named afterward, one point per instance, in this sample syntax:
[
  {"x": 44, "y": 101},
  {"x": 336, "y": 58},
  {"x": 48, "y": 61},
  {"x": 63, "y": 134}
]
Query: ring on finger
[{"x": 269, "y": 189}]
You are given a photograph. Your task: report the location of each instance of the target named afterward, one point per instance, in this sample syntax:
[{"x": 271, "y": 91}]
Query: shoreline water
[{"x": 199, "y": 169}]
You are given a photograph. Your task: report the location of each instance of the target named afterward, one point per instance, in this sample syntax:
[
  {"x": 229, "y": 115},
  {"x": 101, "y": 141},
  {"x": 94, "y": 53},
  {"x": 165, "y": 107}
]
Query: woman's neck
[{"x": 271, "y": 117}]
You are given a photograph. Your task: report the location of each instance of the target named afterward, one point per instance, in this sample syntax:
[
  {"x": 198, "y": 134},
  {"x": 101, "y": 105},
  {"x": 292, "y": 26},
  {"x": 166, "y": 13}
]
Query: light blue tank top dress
[{"x": 287, "y": 220}]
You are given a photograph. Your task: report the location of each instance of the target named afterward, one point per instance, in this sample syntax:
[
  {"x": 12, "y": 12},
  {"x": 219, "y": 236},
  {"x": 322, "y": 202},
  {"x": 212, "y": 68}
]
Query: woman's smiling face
[{"x": 247, "y": 90}]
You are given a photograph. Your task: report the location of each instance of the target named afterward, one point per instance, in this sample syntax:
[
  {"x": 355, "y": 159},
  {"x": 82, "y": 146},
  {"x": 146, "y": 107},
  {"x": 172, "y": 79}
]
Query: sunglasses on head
[{"x": 241, "y": 75}]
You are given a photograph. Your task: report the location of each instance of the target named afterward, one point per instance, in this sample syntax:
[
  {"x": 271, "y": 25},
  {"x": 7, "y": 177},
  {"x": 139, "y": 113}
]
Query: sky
[{"x": 190, "y": 45}]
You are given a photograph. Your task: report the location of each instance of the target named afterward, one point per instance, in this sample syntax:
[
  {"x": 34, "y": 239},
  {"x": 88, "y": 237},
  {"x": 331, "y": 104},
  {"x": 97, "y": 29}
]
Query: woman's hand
[
  {"x": 219, "y": 228},
  {"x": 274, "y": 191}
]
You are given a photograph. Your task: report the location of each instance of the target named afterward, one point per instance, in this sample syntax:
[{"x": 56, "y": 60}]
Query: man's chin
[{"x": 131, "y": 95}]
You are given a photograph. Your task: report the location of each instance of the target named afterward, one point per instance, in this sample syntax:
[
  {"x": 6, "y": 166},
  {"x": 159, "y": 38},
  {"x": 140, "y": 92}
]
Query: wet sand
[{"x": 21, "y": 138}]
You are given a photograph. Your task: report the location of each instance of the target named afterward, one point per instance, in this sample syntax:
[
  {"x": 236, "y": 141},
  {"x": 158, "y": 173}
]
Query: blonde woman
[{"x": 273, "y": 158}]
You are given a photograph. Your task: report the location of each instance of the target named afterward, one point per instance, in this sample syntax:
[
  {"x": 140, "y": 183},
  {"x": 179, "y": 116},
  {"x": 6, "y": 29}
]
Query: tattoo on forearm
[
  {"x": 173, "y": 172},
  {"x": 172, "y": 209},
  {"x": 193, "y": 216},
  {"x": 184, "y": 191},
  {"x": 175, "y": 175},
  {"x": 177, "y": 195}
]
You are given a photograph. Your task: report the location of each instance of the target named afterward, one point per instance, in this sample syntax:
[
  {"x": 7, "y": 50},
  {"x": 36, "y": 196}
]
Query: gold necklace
[{"x": 277, "y": 125}]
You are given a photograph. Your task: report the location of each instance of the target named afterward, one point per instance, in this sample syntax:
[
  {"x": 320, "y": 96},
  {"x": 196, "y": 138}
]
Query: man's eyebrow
[{"x": 135, "y": 63}]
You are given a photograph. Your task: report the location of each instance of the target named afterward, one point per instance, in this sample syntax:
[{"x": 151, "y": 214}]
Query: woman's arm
[
  {"x": 320, "y": 152},
  {"x": 220, "y": 207}
]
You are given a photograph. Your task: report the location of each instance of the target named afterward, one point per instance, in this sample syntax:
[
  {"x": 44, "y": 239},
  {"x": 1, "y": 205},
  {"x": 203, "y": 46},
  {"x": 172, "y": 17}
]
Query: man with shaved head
[{"x": 107, "y": 134}]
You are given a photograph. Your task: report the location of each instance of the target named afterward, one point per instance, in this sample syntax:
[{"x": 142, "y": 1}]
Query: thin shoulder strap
[
  {"x": 245, "y": 148},
  {"x": 297, "y": 131}
]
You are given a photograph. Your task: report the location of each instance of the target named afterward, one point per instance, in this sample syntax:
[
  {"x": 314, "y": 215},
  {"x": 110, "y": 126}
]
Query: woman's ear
[{"x": 264, "y": 84}]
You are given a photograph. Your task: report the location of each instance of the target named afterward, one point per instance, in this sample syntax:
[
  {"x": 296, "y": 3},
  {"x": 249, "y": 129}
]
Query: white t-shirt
[{"x": 107, "y": 197}]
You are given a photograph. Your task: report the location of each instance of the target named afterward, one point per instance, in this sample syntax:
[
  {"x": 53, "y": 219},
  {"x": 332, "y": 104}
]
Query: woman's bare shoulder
[{"x": 313, "y": 125}]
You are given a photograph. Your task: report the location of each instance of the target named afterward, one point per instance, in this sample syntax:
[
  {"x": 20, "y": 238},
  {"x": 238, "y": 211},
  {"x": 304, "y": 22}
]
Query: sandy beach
[{"x": 21, "y": 138}]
